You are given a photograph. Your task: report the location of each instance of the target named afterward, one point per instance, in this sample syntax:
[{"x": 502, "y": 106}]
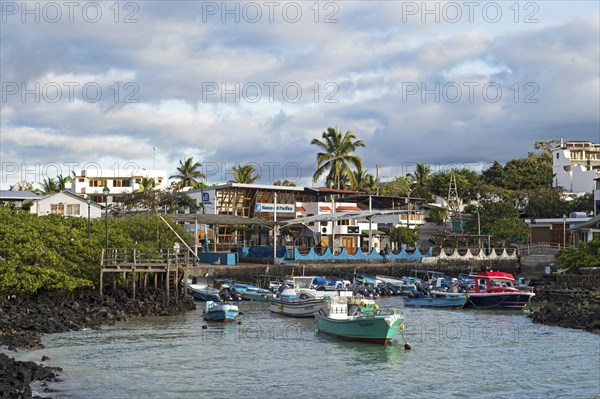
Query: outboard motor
[
  {"x": 225, "y": 294},
  {"x": 235, "y": 295}
]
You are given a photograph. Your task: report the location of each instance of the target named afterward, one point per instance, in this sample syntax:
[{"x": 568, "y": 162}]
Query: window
[
  {"x": 81, "y": 180},
  {"x": 73, "y": 209},
  {"x": 98, "y": 182},
  {"x": 121, "y": 183},
  {"x": 557, "y": 155},
  {"x": 57, "y": 209}
]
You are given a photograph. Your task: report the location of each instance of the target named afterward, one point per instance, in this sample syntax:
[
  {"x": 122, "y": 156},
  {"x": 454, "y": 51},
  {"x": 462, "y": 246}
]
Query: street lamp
[
  {"x": 88, "y": 199},
  {"x": 564, "y": 231},
  {"x": 106, "y": 190}
]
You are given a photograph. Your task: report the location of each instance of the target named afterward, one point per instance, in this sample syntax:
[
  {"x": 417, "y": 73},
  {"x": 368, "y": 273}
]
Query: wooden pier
[{"x": 137, "y": 266}]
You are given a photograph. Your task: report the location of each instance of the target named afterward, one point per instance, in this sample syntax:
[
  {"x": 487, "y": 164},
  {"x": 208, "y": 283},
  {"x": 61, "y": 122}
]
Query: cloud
[{"x": 233, "y": 92}]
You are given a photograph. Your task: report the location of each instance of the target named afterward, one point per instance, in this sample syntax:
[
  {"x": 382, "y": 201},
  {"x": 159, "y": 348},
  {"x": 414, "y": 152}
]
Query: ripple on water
[{"x": 455, "y": 354}]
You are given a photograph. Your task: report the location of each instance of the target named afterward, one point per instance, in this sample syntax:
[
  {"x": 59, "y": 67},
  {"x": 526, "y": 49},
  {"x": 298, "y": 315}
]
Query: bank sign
[{"x": 260, "y": 207}]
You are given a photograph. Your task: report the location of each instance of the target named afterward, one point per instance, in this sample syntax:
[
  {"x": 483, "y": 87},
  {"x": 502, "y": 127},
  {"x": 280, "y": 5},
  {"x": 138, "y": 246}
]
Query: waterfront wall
[
  {"x": 248, "y": 272},
  {"x": 264, "y": 254}
]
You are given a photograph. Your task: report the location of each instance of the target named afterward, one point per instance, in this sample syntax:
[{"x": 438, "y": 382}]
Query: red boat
[{"x": 496, "y": 290}]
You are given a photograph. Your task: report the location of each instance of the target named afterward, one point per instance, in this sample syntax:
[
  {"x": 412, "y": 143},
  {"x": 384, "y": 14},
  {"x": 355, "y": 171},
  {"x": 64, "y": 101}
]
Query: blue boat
[
  {"x": 436, "y": 300},
  {"x": 203, "y": 292},
  {"x": 250, "y": 292},
  {"x": 222, "y": 312}
]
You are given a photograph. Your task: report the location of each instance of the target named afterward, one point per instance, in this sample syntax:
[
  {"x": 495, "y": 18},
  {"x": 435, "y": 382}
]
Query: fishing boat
[
  {"x": 361, "y": 321},
  {"x": 496, "y": 290},
  {"x": 435, "y": 299},
  {"x": 402, "y": 284},
  {"x": 223, "y": 312},
  {"x": 249, "y": 292},
  {"x": 203, "y": 292},
  {"x": 302, "y": 299}
]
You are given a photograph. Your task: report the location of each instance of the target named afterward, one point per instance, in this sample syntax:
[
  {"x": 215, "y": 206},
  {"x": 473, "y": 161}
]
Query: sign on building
[{"x": 265, "y": 207}]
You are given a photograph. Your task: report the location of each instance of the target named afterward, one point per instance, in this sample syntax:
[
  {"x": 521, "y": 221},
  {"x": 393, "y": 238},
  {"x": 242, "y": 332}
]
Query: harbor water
[{"x": 466, "y": 353}]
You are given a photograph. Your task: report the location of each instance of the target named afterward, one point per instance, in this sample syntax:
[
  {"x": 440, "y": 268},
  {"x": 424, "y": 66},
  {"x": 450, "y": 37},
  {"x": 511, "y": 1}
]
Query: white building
[
  {"x": 119, "y": 182},
  {"x": 575, "y": 165},
  {"x": 340, "y": 233},
  {"x": 67, "y": 204}
]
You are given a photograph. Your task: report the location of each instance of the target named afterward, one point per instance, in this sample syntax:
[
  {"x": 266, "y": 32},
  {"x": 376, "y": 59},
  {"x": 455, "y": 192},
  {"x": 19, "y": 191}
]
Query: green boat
[{"x": 359, "y": 321}]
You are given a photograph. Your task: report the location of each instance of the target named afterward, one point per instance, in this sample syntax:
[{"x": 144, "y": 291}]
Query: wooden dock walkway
[{"x": 136, "y": 266}]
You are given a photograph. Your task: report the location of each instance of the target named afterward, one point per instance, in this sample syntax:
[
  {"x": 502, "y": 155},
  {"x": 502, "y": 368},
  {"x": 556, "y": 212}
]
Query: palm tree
[
  {"x": 336, "y": 156},
  {"x": 62, "y": 182},
  {"x": 188, "y": 173},
  {"x": 365, "y": 181},
  {"x": 49, "y": 186},
  {"x": 243, "y": 174},
  {"x": 147, "y": 184},
  {"x": 420, "y": 179}
]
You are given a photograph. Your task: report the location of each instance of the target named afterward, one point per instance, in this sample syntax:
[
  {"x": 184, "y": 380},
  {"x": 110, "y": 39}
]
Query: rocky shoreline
[
  {"x": 571, "y": 301},
  {"x": 23, "y": 321}
]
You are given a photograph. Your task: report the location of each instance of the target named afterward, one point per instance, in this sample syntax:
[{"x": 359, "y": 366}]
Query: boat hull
[
  {"x": 500, "y": 300},
  {"x": 256, "y": 296},
  {"x": 300, "y": 308},
  {"x": 201, "y": 296},
  {"x": 378, "y": 329},
  {"x": 224, "y": 313},
  {"x": 457, "y": 301}
]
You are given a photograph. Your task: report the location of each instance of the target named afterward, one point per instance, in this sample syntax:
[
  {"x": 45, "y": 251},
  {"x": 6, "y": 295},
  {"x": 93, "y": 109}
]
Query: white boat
[{"x": 303, "y": 300}]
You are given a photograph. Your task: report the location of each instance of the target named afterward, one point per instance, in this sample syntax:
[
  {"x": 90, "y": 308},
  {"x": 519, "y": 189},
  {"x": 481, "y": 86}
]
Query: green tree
[
  {"x": 546, "y": 203},
  {"x": 49, "y": 186},
  {"x": 365, "y": 181},
  {"x": 286, "y": 183},
  {"x": 336, "y": 156},
  {"x": 61, "y": 182},
  {"x": 404, "y": 235},
  {"x": 399, "y": 187},
  {"x": 54, "y": 253},
  {"x": 437, "y": 215},
  {"x": 22, "y": 185},
  {"x": 510, "y": 229},
  {"x": 420, "y": 178},
  {"x": 583, "y": 203},
  {"x": 147, "y": 184},
  {"x": 587, "y": 255},
  {"x": 532, "y": 172},
  {"x": 245, "y": 174},
  {"x": 188, "y": 173},
  {"x": 467, "y": 183}
]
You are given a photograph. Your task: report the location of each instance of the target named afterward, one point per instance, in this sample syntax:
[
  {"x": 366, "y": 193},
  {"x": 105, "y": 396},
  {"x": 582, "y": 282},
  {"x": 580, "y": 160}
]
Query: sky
[{"x": 149, "y": 83}]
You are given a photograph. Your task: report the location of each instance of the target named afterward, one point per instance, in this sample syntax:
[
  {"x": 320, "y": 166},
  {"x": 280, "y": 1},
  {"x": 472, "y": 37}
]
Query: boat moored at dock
[
  {"x": 436, "y": 299},
  {"x": 496, "y": 290}
]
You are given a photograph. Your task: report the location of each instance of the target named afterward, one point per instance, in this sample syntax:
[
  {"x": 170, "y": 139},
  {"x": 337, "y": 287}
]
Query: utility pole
[{"x": 377, "y": 178}]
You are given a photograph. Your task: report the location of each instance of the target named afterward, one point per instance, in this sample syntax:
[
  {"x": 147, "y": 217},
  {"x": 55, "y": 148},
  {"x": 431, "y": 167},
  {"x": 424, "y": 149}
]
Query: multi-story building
[
  {"x": 575, "y": 165},
  {"x": 597, "y": 197},
  {"x": 119, "y": 182}
]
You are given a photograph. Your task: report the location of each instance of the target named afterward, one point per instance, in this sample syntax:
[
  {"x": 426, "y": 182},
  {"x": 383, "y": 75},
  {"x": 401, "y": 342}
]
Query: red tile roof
[{"x": 348, "y": 208}]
